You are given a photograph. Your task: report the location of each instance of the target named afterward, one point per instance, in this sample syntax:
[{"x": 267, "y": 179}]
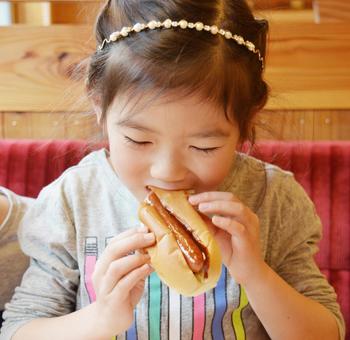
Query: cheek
[
  {"x": 213, "y": 171},
  {"x": 212, "y": 176},
  {"x": 128, "y": 167}
]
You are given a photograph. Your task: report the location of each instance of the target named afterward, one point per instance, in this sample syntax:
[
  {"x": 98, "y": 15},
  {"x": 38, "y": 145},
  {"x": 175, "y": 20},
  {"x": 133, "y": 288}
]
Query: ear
[{"x": 97, "y": 107}]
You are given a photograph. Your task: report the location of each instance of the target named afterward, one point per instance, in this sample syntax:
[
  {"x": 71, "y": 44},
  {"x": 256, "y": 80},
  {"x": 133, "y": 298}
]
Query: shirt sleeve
[
  {"x": 13, "y": 262},
  {"x": 297, "y": 234},
  {"x": 49, "y": 286}
]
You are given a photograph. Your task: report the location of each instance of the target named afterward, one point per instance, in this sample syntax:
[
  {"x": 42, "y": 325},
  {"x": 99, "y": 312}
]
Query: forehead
[{"x": 171, "y": 107}]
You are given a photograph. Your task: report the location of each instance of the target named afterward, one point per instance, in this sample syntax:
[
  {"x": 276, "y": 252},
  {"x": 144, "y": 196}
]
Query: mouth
[{"x": 189, "y": 191}]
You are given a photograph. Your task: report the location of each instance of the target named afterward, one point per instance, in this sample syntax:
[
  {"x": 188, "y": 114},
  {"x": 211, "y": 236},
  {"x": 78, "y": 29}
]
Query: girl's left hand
[{"x": 236, "y": 229}]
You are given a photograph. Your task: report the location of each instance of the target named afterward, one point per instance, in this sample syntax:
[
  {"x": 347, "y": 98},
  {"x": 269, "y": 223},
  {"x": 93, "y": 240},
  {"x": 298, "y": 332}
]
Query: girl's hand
[
  {"x": 119, "y": 279},
  {"x": 236, "y": 229}
]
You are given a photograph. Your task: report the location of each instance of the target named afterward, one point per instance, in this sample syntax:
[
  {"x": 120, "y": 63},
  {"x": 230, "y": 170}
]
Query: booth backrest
[{"x": 322, "y": 168}]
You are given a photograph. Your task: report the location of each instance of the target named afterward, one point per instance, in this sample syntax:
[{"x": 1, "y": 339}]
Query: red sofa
[{"x": 323, "y": 168}]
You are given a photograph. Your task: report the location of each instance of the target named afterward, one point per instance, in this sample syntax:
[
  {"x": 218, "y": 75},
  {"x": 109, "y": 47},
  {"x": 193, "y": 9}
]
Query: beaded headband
[{"x": 168, "y": 23}]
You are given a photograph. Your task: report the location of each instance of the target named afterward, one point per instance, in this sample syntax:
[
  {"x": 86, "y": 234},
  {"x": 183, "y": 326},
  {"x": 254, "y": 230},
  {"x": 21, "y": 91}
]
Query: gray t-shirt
[
  {"x": 73, "y": 219},
  {"x": 13, "y": 262}
]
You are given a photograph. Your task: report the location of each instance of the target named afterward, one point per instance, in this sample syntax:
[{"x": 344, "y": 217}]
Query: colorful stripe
[
  {"x": 174, "y": 315},
  {"x": 91, "y": 252},
  {"x": 198, "y": 317},
  {"x": 237, "y": 317},
  {"x": 107, "y": 240},
  {"x": 131, "y": 333},
  {"x": 154, "y": 306},
  {"x": 220, "y": 306}
]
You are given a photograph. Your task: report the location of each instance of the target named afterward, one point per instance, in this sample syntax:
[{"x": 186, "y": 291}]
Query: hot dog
[
  {"x": 186, "y": 256},
  {"x": 193, "y": 252}
]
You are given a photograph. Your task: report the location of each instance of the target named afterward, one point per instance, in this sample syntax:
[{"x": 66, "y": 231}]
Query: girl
[{"x": 176, "y": 85}]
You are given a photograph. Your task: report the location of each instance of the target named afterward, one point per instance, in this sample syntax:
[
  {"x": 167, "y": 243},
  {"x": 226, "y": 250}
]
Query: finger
[
  {"x": 212, "y": 228},
  {"x": 229, "y": 225},
  {"x": 137, "y": 292},
  {"x": 132, "y": 279},
  {"x": 121, "y": 267},
  {"x": 211, "y": 196},
  {"x": 236, "y": 210},
  {"x": 121, "y": 248},
  {"x": 127, "y": 233}
]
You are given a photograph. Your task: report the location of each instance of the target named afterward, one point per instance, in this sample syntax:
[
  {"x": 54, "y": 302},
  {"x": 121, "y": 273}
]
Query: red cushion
[
  {"x": 322, "y": 168},
  {"x": 28, "y": 165}
]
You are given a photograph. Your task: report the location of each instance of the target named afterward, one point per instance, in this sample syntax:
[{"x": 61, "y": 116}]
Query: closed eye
[
  {"x": 134, "y": 142},
  {"x": 205, "y": 150}
]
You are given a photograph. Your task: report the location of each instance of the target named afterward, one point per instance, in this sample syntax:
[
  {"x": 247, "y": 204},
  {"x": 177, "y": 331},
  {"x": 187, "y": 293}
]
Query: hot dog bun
[{"x": 166, "y": 256}]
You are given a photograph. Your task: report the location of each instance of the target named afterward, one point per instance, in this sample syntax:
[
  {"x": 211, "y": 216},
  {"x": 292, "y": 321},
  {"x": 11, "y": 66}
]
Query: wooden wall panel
[
  {"x": 55, "y": 1},
  {"x": 342, "y": 122},
  {"x": 48, "y": 125},
  {"x": 32, "y": 13},
  {"x": 1, "y": 125},
  {"x": 332, "y": 10},
  {"x": 17, "y": 125},
  {"x": 35, "y": 73},
  {"x": 288, "y": 125},
  {"x": 323, "y": 123},
  {"x": 272, "y": 125},
  {"x": 293, "y": 17},
  {"x": 304, "y": 125},
  {"x": 74, "y": 12},
  {"x": 81, "y": 126},
  {"x": 308, "y": 66},
  {"x": 279, "y": 4},
  {"x": 33, "y": 125}
]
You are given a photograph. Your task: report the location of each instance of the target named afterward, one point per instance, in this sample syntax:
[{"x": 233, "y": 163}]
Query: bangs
[{"x": 208, "y": 75}]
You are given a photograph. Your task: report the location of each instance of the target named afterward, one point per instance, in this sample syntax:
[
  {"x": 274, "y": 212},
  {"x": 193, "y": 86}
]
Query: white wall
[{"x": 5, "y": 13}]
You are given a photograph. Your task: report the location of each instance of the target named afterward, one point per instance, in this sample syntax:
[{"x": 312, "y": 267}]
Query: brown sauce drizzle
[{"x": 195, "y": 253}]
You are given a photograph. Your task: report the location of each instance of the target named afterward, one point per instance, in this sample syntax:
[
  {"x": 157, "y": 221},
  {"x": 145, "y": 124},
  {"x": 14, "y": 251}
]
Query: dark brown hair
[{"x": 164, "y": 60}]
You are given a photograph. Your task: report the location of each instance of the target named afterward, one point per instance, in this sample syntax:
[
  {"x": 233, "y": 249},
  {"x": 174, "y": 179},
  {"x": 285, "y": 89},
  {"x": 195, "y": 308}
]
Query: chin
[{"x": 141, "y": 194}]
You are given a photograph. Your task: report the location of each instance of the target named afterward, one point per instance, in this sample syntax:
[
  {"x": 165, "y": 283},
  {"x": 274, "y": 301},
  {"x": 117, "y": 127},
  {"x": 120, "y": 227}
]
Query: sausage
[{"x": 194, "y": 256}]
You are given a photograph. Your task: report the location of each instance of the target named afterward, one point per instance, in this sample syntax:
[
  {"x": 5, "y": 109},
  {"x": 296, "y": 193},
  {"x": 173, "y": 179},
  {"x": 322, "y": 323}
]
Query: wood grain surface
[
  {"x": 332, "y": 10},
  {"x": 36, "y": 67},
  {"x": 308, "y": 66},
  {"x": 271, "y": 125}
]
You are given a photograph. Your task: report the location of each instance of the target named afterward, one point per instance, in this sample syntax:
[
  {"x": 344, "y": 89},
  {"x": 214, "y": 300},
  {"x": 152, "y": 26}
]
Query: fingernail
[
  {"x": 203, "y": 206},
  {"x": 192, "y": 199},
  {"x": 221, "y": 220},
  {"x": 149, "y": 237},
  {"x": 143, "y": 228}
]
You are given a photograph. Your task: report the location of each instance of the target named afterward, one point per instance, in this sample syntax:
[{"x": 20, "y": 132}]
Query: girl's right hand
[{"x": 119, "y": 279}]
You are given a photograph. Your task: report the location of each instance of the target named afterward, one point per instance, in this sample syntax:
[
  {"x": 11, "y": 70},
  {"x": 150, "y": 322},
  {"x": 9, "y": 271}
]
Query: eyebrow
[
  {"x": 127, "y": 122},
  {"x": 208, "y": 133}
]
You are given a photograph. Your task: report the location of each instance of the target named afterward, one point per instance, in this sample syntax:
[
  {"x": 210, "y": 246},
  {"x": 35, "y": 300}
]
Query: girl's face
[{"x": 185, "y": 143}]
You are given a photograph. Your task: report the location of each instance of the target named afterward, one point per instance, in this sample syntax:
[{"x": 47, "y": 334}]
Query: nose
[{"x": 168, "y": 168}]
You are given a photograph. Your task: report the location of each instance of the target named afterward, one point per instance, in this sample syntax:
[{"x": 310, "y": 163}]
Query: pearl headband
[{"x": 168, "y": 23}]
